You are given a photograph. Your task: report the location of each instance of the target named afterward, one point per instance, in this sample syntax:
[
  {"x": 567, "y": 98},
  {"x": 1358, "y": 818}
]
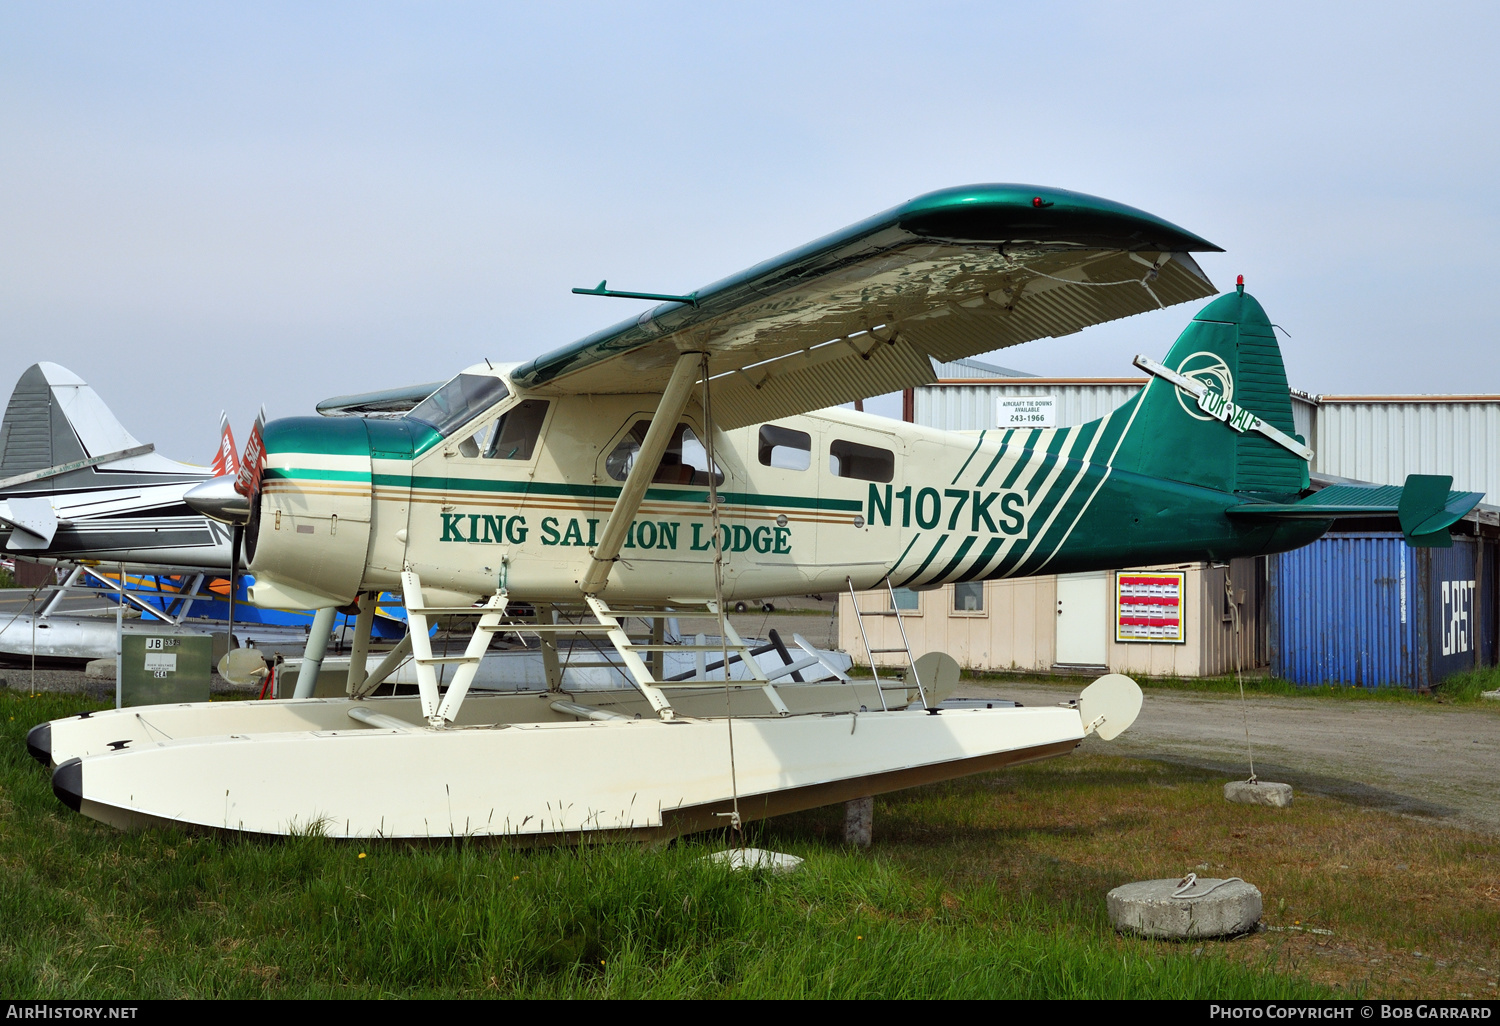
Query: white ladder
[
  {"x": 871, "y": 653},
  {"x": 441, "y": 712}
]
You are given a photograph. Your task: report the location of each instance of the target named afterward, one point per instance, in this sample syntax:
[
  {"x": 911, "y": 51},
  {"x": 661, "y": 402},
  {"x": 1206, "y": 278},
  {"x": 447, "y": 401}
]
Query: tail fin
[
  {"x": 54, "y": 418},
  {"x": 225, "y": 460},
  {"x": 1229, "y": 439},
  {"x": 35, "y": 434}
]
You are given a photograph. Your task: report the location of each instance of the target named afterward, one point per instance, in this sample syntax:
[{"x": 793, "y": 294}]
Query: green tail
[{"x": 1231, "y": 347}]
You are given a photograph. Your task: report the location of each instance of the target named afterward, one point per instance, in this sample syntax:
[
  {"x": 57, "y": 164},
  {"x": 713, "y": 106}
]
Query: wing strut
[{"x": 674, "y": 400}]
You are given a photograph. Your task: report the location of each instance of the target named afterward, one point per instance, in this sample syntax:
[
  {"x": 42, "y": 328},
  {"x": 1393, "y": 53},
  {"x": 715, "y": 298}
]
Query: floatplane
[{"x": 689, "y": 457}]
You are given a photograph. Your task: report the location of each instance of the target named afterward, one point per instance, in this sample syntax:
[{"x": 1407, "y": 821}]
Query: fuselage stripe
[
  {"x": 963, "y": 550},
  {"x": 918, "y": 571},
  {"x": 979, "y": 563},
  {"x": 970, "y": 459},
  {"x": 1109, "y": 467}
]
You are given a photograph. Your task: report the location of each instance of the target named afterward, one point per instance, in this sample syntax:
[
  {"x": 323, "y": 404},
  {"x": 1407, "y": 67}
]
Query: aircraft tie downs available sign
[
  {"x": 1026, "y": 411},
  {"x": 1148, "y": 607}
]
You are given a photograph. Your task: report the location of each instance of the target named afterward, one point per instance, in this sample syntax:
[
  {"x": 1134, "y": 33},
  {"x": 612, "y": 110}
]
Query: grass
[
  {"x": 990, "y": 886},
  {"x": 1466, "y": 687}
]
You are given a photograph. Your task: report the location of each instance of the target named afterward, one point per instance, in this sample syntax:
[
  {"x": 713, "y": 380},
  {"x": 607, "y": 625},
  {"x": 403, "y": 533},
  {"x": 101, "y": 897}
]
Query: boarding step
[{"x": 881, "y": 687}]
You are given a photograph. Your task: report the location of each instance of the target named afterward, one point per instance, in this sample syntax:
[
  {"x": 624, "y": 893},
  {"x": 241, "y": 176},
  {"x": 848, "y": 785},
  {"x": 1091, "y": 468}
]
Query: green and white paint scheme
[
  {"x": 581, "y": 475},
  {"x": 1170, "y": 476}
]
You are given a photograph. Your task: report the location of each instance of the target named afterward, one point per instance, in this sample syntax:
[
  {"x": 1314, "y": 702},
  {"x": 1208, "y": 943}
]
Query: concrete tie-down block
[
  {"x": 1258, "y": 792},
  {"x": 1205, "y": 908}
]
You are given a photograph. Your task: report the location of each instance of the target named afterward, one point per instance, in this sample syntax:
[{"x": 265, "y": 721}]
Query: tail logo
[
  {"x": 1213, "y": 372},
  {"x": 1197, "y": 382}
]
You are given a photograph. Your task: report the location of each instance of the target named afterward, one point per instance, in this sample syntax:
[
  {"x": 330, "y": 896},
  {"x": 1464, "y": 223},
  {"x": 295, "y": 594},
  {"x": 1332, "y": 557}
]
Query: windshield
[{"x": 458, "y": 402}]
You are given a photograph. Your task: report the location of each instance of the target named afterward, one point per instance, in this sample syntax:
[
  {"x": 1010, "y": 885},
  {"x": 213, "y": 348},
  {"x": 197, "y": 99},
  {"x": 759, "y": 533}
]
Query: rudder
[{"x": 1231, "y": 347}]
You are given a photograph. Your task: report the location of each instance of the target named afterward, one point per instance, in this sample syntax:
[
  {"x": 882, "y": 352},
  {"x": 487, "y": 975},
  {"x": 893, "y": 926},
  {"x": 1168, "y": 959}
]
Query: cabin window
[
  {"x": 458, "y": 402},
  {"x": 865, "y": 462},
  {"x": 907, "y": 601},
  {"x": 968, "y": 597},
  {"x": 684, "y": 462},
  {"x": 785, "y": 448},
  {"x": 517, "y": 431}
]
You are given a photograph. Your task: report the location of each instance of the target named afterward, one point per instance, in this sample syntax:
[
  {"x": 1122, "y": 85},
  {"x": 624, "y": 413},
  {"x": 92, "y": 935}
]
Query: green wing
[{"x": 862, "y": 311}]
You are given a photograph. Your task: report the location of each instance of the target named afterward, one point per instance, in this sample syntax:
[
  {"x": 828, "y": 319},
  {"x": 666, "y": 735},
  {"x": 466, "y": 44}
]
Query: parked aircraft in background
[{"x": 75, "y": 484}]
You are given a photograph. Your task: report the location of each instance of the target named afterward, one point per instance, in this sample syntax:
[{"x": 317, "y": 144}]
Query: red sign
[
  {"x": 248, "y": 483},
  {"x": 225, "y": 460},
  {"x": 1148, "y": 607}
]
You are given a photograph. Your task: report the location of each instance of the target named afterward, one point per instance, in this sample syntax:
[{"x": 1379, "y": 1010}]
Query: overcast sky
[{"x": 208, "y": 206}]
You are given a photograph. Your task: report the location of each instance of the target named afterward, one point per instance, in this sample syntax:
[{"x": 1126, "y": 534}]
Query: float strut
[{"x": 312, "y": 657}]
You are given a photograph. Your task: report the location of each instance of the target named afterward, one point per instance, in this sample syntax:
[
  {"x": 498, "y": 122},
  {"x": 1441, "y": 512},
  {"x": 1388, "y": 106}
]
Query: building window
[
  {"x": 968, "y": 597},
  {"x": 865, "y": 462},
  {"x": 785, "y": 448},
  {"x": 907, "y": 600}
]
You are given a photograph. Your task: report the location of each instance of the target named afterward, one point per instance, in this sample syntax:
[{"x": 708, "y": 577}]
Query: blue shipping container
[{"x": 1367, "y": 609}]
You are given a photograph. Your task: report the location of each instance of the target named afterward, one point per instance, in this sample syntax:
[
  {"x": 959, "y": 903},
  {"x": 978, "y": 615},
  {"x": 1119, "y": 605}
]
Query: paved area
[{"x": 1432, "y": 761}]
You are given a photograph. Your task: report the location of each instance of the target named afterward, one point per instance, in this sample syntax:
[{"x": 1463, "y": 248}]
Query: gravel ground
[{"x": 1441, "y": 762}]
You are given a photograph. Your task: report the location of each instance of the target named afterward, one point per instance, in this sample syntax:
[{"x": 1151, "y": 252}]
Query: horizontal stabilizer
[
  {"x": 1425, "y": 506},
  {"x": 34, "y": 522},
  {"x": 1428, "y": 509}
]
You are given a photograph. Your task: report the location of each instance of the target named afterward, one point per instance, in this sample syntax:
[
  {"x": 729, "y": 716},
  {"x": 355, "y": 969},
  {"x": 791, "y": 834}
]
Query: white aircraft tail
[{"x": 54, "y": 418}]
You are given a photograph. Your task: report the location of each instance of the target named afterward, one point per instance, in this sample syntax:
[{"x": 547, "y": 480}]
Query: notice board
[
  {"x": 157, "y": 669},
  {"x": 1149, "y": 607}
]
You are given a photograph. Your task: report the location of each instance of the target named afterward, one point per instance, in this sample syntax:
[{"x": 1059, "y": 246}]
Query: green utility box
[{"x": 160, "y": 669}]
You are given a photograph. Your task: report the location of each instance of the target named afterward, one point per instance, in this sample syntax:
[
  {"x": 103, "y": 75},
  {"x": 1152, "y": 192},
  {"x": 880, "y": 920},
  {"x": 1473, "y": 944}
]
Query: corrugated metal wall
[
  {"x": 970, "y": 368},
  {"x": 1385, "y": 441},
  {"x": 1226, "y": 635}
]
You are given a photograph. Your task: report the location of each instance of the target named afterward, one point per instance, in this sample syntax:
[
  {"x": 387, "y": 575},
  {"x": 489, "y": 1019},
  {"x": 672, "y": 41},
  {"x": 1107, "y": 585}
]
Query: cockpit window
[{"x": 458, "y": 402}]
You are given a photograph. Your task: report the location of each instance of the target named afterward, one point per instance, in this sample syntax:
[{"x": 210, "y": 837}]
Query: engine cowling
[{"x": 309, "y": 531}]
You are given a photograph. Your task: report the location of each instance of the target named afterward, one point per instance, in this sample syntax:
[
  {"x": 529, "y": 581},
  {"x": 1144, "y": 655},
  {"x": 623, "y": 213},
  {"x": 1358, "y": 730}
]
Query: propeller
[{"x": 246, "y": 484}]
